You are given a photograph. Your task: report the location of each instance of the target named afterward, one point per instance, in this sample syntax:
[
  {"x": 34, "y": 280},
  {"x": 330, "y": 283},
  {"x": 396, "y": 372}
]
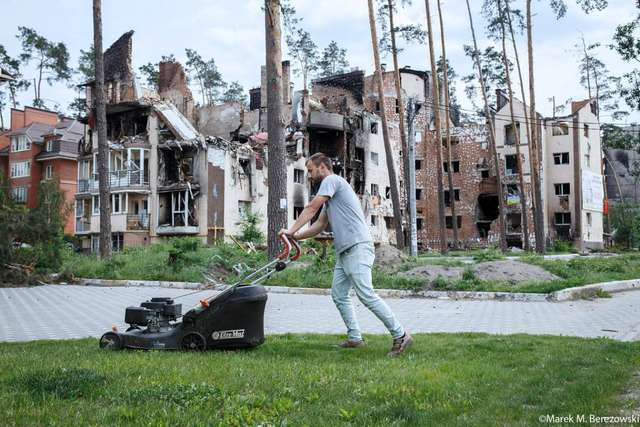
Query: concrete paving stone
[{"x": 66, "y": 311}]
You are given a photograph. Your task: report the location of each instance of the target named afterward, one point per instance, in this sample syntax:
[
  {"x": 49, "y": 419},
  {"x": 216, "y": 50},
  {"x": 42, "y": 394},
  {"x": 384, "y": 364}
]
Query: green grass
[
  {"x": 461, "y": 379},
  {"x": 153, "y": 262}
]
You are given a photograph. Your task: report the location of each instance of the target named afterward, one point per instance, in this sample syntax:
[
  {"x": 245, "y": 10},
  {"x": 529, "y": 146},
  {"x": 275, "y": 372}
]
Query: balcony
[
  {"x": 117, "y": 180},
  {"x": 138, "y": 222},
  {"x": 83, "y": 225},
  {"x": 489, "y": 185}
]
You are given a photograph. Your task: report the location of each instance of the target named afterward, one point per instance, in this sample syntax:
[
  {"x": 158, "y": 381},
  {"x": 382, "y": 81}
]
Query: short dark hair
[{"x": 321, "y": 158}]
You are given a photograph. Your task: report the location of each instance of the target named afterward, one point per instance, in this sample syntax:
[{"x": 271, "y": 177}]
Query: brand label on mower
[{"x": 228, "y": 335}]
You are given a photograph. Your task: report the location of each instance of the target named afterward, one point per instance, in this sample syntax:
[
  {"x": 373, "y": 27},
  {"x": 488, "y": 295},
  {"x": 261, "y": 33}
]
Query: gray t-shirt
[{"x": 345, "y": 213}]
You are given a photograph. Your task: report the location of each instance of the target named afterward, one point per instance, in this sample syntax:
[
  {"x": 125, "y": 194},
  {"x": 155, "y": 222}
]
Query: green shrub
[
  {"x": 625, "y": 222},
  {"x": 563, "y": 246},
  {"x": 250, "y": 232},
  {"x": 488, "y": 255}
]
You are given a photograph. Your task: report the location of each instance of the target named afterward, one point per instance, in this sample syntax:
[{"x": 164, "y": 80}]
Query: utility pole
[{"x": 412, "y": 112}]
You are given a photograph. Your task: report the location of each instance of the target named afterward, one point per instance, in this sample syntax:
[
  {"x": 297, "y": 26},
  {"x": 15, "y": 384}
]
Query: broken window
[
  {"x": 244, "y": 207},
  {"x": 375, "y": 158},
  {"x": 513, "y": 195},
  {"x": 374, "y": 220},
  {"x": 449, "y": 221},
  {"x": 298, "y": 176},
  {"x": 117, "y": 240},
  {"x": 511, "y": 164},
  {"x": 419, "y": 224},
  {"x": 455, "y": 164},
  {"x": 563, "y": 218},
  {"x": 388, "y": 222},
  {"x": 559, "y": 129},
  {"x": 510, "y": 135},
  {"x": 484, "y": 173},
  {"x": 586, "y": 130},
  {"x": 418, "y": 193},
  {"x": 374, "y": 190},
  {"x": 563, "y": 189},
  {"x": 447, "y": 196},
  {"x": 514, "y": 225},
  {"x": 387, "y": 192},
  {"x": 561, "y": 158},
  {"x": 377, "y": 106},
  {"x": 418, "y": 165},
  {"x": 374, "y": 127}
]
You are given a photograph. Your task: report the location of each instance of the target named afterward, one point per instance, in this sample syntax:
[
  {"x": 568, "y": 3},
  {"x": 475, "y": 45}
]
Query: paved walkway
[{"x": 62, "y": 312}]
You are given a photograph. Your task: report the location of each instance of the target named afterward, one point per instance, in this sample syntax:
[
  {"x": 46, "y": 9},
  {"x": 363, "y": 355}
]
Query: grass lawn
[{"x": 461, "y": 379}]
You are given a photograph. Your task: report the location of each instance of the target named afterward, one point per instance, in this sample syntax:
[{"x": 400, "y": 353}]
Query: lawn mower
[{"x": 233, "y": 319}]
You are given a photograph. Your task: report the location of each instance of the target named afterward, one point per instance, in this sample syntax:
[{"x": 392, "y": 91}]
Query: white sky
[{"x": 232, "y": 32}]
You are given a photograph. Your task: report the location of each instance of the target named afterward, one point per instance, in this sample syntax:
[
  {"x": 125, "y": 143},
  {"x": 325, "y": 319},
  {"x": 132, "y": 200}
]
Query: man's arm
[
  {"x": 315, "y": 228},
  {"x": 306, "y": 215}
]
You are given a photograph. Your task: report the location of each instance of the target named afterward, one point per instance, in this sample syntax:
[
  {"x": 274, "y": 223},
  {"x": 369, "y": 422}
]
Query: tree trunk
[
  {"x": 101, "y": 131},
  {"x": 526, "y": 113},
  {"x": 391, "y": 170},
  {"x": 538, "y": 212},
  {"x": 401, "y": 113},
  {"x": 447, "y": 109},
  {"x": 435, "y": 85},
  {"x": 277, "y": 155},
  {"x": 492, "y": 135},
  {"x": 586, "y": 56},
  {"x": 516, "y": 132}
]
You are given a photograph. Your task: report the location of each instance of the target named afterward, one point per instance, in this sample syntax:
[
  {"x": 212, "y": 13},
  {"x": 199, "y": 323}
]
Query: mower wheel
[
  {"x": 111, "y": 341},
  {"x": 193, "y": 341}
]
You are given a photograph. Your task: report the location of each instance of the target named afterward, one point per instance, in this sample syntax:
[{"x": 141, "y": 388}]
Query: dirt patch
[
  {"x": 512, "y": 271},
  {"x": 509, "y": 271},
  {"x": 387, "y": 255},
  {"x": 431, "y": 272}
]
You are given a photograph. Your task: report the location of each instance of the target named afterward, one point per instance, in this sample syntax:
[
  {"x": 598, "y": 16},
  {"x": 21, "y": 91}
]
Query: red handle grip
[{"x": 288, "y": 242}]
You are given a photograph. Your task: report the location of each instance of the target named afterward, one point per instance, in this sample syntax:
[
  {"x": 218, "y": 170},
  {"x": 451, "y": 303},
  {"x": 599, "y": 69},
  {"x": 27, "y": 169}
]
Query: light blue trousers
[{"x": 353, "y": 269}]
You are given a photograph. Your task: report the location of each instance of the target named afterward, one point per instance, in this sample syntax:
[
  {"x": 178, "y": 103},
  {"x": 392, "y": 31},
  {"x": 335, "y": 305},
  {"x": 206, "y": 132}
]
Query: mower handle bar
[{"x": 288, "y": 242}]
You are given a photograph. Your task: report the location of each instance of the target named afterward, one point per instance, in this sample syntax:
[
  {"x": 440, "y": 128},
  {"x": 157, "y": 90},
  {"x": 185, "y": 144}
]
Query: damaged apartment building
[
  {"x": 156, "y": 167},
  {"x": 339, "y": 118},
  {"x": 570, "y": 175},
  {"x": 475, "y": 190}
]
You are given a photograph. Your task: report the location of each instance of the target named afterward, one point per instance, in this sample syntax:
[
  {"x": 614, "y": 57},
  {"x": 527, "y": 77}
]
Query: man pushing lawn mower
[{"x": 354, "y": 251}]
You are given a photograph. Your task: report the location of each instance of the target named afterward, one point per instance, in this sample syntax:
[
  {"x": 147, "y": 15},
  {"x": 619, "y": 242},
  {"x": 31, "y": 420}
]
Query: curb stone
[{"x": 557, "y": 296}]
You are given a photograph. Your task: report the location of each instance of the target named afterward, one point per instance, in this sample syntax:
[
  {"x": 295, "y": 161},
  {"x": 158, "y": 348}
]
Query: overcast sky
[{"x": 232, "y": 32}]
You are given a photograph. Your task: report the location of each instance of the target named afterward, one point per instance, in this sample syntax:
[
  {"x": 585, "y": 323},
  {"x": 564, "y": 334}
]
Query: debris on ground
[
  {"x": 387, "y": 255},
  {"x": 431, "y": 272},
  {"x": 509, "y": 271},
  {"x": 512, "y": 271}
]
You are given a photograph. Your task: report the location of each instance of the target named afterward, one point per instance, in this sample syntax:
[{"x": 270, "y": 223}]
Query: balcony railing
[
  {"x": 117, "y": 179},
  {"x": 138, "y": 222},
  {"x": 83, "y": 225}
]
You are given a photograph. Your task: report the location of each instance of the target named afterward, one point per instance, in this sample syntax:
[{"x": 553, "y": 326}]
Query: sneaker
[
  {"x": 400, "y": 345},
  {"x": 352, "y": 344}
]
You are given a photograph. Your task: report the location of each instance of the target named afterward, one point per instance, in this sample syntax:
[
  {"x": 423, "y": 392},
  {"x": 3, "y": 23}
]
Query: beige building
[
  {"x": 571, "y": 173},
  {"x": 574, "y": 182}
]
